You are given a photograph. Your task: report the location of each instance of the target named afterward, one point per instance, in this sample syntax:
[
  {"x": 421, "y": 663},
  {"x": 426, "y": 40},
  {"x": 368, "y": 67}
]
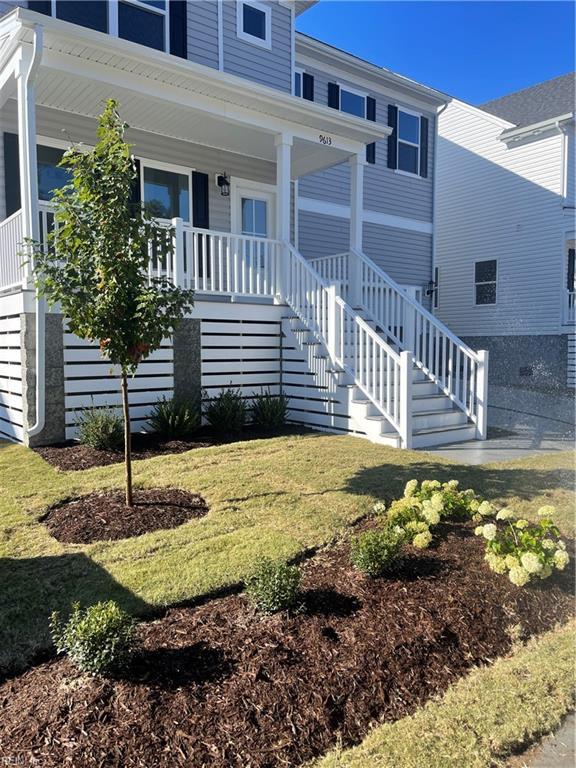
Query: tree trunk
[{"x": 127, "y": 442}]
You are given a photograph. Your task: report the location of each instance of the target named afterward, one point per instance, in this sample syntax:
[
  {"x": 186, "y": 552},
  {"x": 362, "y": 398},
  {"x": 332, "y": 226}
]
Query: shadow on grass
[{"x": 31, "y": 588}]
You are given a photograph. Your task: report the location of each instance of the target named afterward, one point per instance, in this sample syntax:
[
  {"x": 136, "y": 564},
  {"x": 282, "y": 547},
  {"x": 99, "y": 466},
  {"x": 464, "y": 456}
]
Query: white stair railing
[
  {"x": 460, "y": 372},
  {"x": 12, "y": 270},
  {"x": 383, "y": 375}
]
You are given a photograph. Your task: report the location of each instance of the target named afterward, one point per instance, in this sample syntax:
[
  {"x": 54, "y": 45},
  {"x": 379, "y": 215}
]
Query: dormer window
[{"x": 254, "y": 23}]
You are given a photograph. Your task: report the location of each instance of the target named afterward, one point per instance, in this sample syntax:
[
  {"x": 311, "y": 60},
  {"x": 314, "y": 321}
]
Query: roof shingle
[{"x": 546, "y": 100}]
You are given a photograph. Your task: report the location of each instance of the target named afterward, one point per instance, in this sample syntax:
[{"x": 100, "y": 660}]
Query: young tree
[{"x": 96, "y": 262}]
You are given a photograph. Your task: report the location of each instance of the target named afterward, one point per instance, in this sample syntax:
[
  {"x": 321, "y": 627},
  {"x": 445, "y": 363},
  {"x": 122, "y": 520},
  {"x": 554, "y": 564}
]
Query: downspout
[
  {"x": 434, "y": 193},
  {"x": 40, "y": 393}
]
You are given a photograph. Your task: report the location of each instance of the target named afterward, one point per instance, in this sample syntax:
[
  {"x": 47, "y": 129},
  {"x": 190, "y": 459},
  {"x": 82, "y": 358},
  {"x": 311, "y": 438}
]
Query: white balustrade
[{"x": 12, "y": 268}]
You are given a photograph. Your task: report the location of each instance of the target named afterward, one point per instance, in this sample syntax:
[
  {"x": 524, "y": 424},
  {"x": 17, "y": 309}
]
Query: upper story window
[
  {"x": 352, "y": 102},
  {"x": 298, "y": 74},
  {"x": 408, "y": 142},
  {"x": 254, "y": 22},
  {"x": 140, "y": 21},
  {"x": 485, "y": 274},
  {"x": 303, "y": 85}
]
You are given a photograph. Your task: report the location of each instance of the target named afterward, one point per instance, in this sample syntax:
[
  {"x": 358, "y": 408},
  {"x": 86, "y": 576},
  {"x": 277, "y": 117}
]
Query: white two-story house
[
  {"x": 299, "y": 182},
  {"x": 505, "y": 240}
]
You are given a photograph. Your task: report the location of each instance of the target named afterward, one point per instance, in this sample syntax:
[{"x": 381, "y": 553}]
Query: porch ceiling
[{"x": 161, "y": 94}]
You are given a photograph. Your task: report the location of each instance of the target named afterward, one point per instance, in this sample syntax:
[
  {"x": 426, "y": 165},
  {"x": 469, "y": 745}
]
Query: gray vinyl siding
[
  {"x": 384, "y": 190},
  {"x": 403, "y": 254},
  {"x": 203, "y": 32},
  {"x": 51, "y": 123},
  {"x": 267, "y": 67}
]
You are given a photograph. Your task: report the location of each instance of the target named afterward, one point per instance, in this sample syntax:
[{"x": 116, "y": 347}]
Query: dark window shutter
[
  {"x": 334, "y": 95},
  {"x": 308, "y": 86},
  {"x": 571, "y": 269},
  {"x": 392, "y": 146},
  {"x": 40, "y": 6},
  {"x": 424, "y": 147},
  {"x": 200, "y": 207},
  {"x": 135, "y": 196},
  {"x": 371, "y": 115},
  {"x": 12, "y": 171},
  {"x": 178, "y": 28}
]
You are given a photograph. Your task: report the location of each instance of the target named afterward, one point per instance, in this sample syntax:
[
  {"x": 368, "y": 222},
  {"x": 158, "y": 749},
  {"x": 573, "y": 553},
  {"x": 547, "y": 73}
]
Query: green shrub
[
  {"x": 99, "y": 639},
  {"x": 269, "y": 411},
  {"x": 444, "y": 498},
  {"x": 175, "y": 419},
  {"x": 100, "y": 428},
  {"x": 274, "y": 586},
  {"x": 375, "y": 552},
  {"x": 226, "y": 413},
  {"x": 521, "y": 549}
]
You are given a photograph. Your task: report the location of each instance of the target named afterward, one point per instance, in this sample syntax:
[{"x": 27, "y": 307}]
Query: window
[
  {"x": 140, "y": 21},
  {"x": 298, "y": 82},
  {"x": 254, "y": 217},
  {"x": 254, "y": 23},
  {"x": 485, "y": 281},
  {"x": 408, "y": 142},
  {"x": 166, "y": 194},
  {"x": 352, "y": 102},
  {"x": 50, "y": 177}
]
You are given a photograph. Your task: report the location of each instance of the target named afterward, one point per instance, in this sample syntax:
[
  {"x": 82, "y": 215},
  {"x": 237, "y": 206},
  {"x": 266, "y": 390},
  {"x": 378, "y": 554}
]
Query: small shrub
[
  {"x": 408, "y": 515},
  {"x": 226, "y": 413},
  {"x": 521, "y": 549},
  {"x": 175, "y": 419},
  {"x": 269, "y": 411},
  {"x": 375, "y": 552},
  {"x": 444, "y": 498},
  {"x": 99, "y": 639},
  {"x": 100, "y": 428},
  {"x": 274, "y": 586}
]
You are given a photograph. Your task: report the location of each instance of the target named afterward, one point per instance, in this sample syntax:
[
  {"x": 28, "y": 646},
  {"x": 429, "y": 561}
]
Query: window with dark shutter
[
  {"x": 424, "y": 147},
  {"x": 200, "y": 209},
  {"x": 93, "y": 15},
  {"x": 393, "y": 138},
  {"x": 307, "y": 86},
  {"x": 334, "y": 95},
  {"x": 178, "y": 28},
  {"x": 11, "y": 173},
  {"x": 40, "y": 6}
]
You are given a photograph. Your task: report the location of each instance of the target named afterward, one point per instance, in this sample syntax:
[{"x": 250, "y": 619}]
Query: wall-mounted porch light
[{"x": 223, "y": 182}]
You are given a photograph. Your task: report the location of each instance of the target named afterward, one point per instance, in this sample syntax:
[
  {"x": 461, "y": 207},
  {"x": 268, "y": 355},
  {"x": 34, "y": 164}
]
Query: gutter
[
  {"x": 516, "y": 134},
  {"x": 40, "y": 384}
]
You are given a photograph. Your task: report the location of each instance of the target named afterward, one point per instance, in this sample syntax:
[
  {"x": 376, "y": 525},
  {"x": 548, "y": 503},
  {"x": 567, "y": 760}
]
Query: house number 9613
[{"x": 325, "y": 139}]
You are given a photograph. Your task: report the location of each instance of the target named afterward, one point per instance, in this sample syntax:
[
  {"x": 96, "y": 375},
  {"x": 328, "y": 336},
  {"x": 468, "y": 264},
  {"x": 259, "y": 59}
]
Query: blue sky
[{"x": 475, "y": 51}]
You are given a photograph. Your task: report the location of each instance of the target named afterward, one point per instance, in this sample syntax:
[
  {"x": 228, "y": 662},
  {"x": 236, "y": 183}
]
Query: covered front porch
[{"x": 217, "y": 155}]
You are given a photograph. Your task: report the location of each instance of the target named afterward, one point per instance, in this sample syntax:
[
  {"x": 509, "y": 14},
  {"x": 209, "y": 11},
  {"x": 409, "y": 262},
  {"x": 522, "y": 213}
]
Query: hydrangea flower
[
  {"x": 545, "y": 572},
  {"x": 379, "y": 508},
  {"x": 489, "y": 531},
  {"x": 530, "y": 562},
  {"x": 511, "y": 561},
  {"x": 453, "y": 484},
  {"x": 486, "y": 509},
  {"x": 431, "y": 515},
  {"x": 437, "y": 502},
  {"x": 504, "y": 514},
  {"x": 422, "y": 540},
  {"x": 479, "y": 530},
  {"x": 546, "y": 511},
  {"x": 519, "y": 576},
  {"x": 548, "y": 544},
  {"x": 561, "y": 559},
  {"x": 470, "y": 493},
  {"x": 410, "y": 488},
  {"x": 429, "y": 485},
  {"x": 561, "y": 544},
  {"x": 521, "y": 524},
  {"x": 495, "y": 562}
]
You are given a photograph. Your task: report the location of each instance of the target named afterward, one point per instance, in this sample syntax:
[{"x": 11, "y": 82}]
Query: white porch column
[
  {"x": 25, "y": 80},
  {"x": 357, "y": 163},
  {"x": 283, "y": 142}
]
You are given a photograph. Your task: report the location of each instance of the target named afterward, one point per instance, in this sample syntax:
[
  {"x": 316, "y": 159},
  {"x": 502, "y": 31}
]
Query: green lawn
[{"x": 275, "y": 497}]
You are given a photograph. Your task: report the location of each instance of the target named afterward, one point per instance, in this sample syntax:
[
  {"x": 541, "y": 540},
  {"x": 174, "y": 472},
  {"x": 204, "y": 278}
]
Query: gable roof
[{"x": 544, "y": 101}]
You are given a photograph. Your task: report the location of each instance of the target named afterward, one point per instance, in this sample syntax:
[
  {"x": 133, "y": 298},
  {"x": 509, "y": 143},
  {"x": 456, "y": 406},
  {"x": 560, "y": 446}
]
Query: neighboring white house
[
  {"x": 299, "y": 181},
  {"x": 505, "y": 238}
]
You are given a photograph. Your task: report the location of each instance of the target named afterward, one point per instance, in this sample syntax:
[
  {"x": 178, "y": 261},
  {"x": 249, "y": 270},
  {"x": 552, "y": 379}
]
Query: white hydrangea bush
[{"x": 523, "y": 550}]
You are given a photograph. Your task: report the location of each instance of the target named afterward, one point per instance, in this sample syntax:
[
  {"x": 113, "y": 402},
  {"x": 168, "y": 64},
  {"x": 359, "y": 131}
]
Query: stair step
[{"x": 427, "y": 438}]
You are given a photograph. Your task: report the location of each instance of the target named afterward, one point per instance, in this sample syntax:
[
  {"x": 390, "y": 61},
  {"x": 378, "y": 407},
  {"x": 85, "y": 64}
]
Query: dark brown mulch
[
  {"x": 71, "y": 455},
  {"x": 105, "y": 516},
  {"x": 219, "y": 686}
]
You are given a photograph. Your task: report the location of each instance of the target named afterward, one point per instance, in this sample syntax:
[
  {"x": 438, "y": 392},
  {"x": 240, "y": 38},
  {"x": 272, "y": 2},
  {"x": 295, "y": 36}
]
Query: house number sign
[{"x": 324, "y": 139}]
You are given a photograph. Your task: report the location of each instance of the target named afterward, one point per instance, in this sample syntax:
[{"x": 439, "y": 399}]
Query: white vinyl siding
[{"x": 495, "y": 201}]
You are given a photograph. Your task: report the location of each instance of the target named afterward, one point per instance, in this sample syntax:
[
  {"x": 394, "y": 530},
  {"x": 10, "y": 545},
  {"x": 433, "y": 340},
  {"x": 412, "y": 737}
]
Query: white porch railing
[
  {"x": 12, "y": 269},
  {"x": 460, "y": 372},
  {"x": 383, "y": 375}
]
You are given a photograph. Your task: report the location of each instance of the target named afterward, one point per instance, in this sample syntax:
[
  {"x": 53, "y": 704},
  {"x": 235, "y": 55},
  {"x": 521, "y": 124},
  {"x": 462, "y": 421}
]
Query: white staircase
[{"x": 386, "y": 368}]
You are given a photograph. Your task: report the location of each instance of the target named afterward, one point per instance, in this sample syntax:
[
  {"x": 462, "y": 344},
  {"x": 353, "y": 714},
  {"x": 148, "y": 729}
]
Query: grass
[
  {"x": 480, "y": 720},
  {"x": 275, "y": 497}
]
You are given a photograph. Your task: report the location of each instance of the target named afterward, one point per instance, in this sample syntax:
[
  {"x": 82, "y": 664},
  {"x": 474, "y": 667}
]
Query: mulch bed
[
  {"x": 105, "y": 516},
  {"x": 220, "y": 686},
  {"x": 72, "y": 455}
]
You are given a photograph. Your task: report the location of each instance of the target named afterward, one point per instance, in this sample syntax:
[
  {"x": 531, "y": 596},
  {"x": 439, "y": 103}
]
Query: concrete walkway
[{"x": 554, "y": 751}]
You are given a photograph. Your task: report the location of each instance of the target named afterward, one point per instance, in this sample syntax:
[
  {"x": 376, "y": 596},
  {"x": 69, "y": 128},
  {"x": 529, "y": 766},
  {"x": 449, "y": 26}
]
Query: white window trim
[
  {"x": 113, "y": 18},
  {"x": 485, "y": 282},
  {"x": 301, "y": 72},
  {"x": 171, "y": 168},
  {"x": 419, "y": 115},
  {"x": 267, "y": 10},
  {"x": 356, "y": 92}
]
